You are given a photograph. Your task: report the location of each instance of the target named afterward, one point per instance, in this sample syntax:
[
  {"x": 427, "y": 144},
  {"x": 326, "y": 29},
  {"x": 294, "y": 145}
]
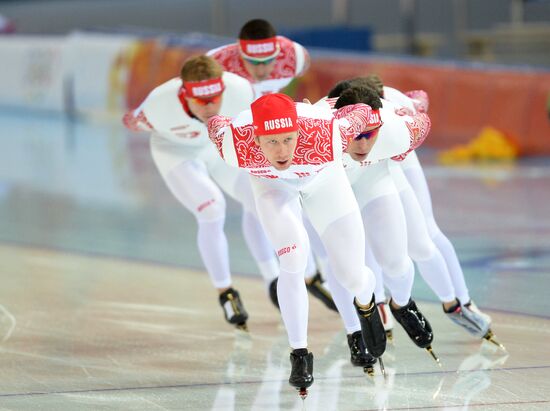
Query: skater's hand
[{"x": 404, "y": 111}]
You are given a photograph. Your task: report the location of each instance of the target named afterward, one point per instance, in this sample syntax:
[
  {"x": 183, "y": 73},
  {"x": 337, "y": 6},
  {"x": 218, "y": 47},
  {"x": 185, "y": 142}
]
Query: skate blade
[
  {"x": 369, "y": 371},
  {"x": 242, "y": 327},
  {"x": 434, "y": 356},
  {"x": 302, "y": 392},
  {"x": 382, "y": 368},
  {"x": 491, "y": 338},
  {"x": 389, "y": 335}
]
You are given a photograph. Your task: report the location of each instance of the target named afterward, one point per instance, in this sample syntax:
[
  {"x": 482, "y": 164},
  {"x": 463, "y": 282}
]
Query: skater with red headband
[
  {"x": 175, "y": 113},
  {"x": 267, "y": 60}
]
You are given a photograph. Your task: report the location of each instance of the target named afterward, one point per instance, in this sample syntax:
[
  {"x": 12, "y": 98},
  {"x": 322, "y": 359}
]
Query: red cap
[{"x": 274, "y": 114}]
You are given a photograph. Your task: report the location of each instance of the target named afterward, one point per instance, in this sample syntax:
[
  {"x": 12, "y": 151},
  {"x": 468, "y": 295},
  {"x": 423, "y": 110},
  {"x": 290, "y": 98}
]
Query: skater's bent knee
[
  {"x": 422, "y": 251},
  {"x": 292, "y": 261},
  {"x": 210, "y": 210},
  {"x": 354, "y": 284},
  {"x": 397, "y": 267}
]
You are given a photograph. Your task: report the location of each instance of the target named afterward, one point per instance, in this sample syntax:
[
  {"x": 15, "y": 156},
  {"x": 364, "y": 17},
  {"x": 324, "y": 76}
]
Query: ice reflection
[{"x": 474, "y": 376}]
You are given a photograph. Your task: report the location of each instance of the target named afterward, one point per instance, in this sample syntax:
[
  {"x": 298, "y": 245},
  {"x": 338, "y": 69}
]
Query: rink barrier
[{"x": 33, "y": 71}]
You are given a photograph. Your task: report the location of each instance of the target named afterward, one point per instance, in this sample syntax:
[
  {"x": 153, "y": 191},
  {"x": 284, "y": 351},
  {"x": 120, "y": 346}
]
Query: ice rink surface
[{"x": 104, "y": 304}]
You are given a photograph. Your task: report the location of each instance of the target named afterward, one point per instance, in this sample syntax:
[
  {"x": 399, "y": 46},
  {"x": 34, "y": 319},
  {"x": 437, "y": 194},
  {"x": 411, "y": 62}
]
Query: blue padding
[{"x": 342, "y": 38}]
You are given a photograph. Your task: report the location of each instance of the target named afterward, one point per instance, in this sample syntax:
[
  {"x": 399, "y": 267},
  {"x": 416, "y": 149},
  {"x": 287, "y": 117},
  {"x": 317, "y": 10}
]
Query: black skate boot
[
  {"x": 317, "y": 289},
  {"x": 416, "y": 325},
  {"x": 358, "y": 353},
  {"x": 301, "y": 375},
  {"x": 372, "y": 330},
  {"x": 233, "y": 309},
  {"x": 273, "y": 293}
]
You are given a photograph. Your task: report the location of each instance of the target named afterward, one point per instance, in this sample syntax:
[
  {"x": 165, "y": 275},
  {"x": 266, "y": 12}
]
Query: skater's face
[
  {"x": 203, "y": 109},
  {"x": 278, "y": 148},
  {"x": 360, "y": 147},
  {"x": 259, "y": 70}
]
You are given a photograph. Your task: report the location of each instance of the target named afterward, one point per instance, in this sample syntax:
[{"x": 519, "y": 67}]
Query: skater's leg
[
  {"x": 460, "y": 309},
  {"x": 315, "y": 282},
  {"x": 287, "y": 234},
  {"x": 429, "y": 260},
  {"x": 195, "y": 190},
  {"x": 386, "y": 228},
  {"x": 191, "y": 185},
  {"x": 345, "y": 247},
  {"x": 447, "y": 249},
  {"x": 347, "y": 262},
  {"x": 361, "y": 284},
  {"x": 261, "y": 249},
  {"x": 416, "y": 178},
  {"x": 236, "y": 183},
  {"x": 311, "y": 267},
  {"x": 370, "y": 261},
  {"x": 343, "y": 300},
  {"x": 371, "y": 187}
]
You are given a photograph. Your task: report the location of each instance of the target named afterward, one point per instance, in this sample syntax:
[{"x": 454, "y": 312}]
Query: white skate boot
[
  {"x": 387, "y": 319},
  {"x": 470, "y": 318}
]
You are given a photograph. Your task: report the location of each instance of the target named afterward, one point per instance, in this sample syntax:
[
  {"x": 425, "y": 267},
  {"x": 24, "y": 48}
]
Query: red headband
[
  {"x": 374, "y": 118},
  {"x": 274, "y": 114},
  {"x": 205, "y": 88},
  {"x": 260, "y": 49}
]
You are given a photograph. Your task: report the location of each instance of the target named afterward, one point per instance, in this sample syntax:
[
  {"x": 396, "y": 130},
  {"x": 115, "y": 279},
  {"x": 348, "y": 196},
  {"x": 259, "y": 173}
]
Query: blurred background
[{"x": 505, "y": 31}]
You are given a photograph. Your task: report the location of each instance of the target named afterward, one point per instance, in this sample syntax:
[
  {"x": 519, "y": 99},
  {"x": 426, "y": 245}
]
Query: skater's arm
[
  {"x": 404, "y": 111},
  {"x": 216, "y": 130},
  {"x": 136, "y": 120},
  {"x": 420, "y": 99},
  {"x": 419, "y": 128},
  {"x": 305, "y": 58}
]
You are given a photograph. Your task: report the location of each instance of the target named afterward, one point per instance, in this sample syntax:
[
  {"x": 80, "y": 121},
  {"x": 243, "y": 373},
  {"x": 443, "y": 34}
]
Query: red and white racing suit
[{"x": 315, "y": 181}]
